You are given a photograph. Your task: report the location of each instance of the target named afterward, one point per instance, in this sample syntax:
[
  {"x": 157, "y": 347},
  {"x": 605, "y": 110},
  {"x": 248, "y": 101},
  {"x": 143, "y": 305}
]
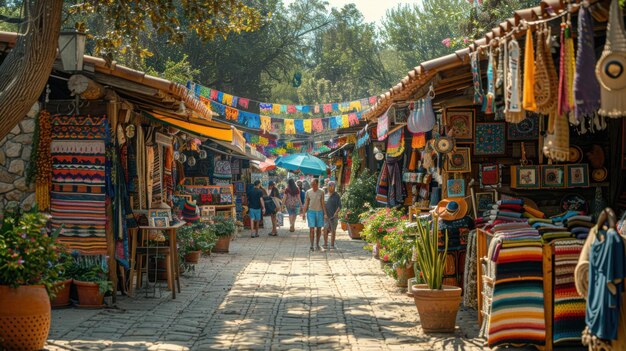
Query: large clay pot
[
  {"x": 193, "y": 256},
  {"x": 24, "y": 317},
  {"x": 344, "y": 225},
  {"x": 222, "y": 245},
  {"x": 354, "y": 230},
  {"x": 89, "y": 295},
  {"x": 437, "y": 308},
  {"x": 404, "y": 274},
  {"x": 62, "y": 298}
]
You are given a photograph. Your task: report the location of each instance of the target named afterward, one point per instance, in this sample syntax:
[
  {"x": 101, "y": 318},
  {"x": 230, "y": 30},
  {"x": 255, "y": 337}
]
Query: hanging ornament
[
  {"x": 191, "y": 161},
  {"x": 182, "y": 158},
  {"x": 611, "y": 66},
  {"x": 202, "y": 154}
]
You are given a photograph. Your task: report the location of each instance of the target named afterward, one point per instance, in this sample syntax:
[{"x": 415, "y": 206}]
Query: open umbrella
[
  {"x": 264, "y": 166},
  {"x": 304, "y": 163}
]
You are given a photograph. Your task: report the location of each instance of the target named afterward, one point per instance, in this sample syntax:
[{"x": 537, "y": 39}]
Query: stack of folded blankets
[
  {"x": 517, "y": 254},
  {"x": 506, "y": 211},
  {"x": 571, "y": 224},
  {"x": 549, "y": 229},
  {"x": 579, "y": 225}
]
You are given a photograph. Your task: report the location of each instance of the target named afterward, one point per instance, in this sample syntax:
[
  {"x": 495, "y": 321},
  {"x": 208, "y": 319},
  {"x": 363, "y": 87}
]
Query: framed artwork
[
  {"x": 527, "y": 129},
  {"x": 525, "y": 177},
  {"x": 159, "y": 212},
  {"x": 489, "y": 175},
  {"x": 459, "y": 160},
  {"x": 553, "y": 176},
  {"x": 207, "y": 211},
  {"x": 401, "y": 115},
  {"x": 187, "y": 181},
  {"x": 460, "y": 124},
  {"x": 578, "y": 175},
  {"x": 456, "y": 187},
  {"x": 240, "y": 187},
  {"x": 485, "y": 201},
  {"x": 159, "y": 222},
  {"x": 490, "y": 139},
  {"x": 201, "y": 181}
]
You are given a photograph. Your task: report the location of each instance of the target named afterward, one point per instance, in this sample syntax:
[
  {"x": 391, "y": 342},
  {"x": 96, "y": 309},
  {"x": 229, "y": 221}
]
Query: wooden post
[{"x": 548, "y": 251}]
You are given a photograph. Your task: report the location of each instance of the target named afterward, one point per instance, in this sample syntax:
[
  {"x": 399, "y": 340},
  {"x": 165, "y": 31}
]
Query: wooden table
[{"x": 170, "y": 232}]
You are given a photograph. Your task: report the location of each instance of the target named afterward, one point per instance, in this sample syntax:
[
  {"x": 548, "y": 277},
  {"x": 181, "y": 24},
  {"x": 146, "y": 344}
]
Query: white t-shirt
[{"x": 315, "y": 199}]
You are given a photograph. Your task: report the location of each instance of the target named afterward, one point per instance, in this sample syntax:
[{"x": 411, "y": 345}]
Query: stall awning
[{"x": 209, "y": 129}]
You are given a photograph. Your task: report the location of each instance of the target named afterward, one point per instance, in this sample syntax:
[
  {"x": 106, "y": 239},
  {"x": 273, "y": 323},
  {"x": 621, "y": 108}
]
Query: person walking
[
  {"x": 325, "y": 187},
  {"x": 275, "y": 195},
  {"x": 302, "y": 191},
  {"x": 292, "y": 203},
  {"x": 333, "y": 205},
  {"x": 315, "y": 212},
  {"x": 256, "y": 208}
]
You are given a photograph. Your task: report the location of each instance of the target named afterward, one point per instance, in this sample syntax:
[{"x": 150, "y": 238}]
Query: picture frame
[
  {"x": 460, "y": 124},
  {"x": 201, "y": 181},
  {"x": 160, "y": 222},
  {"x": 159, "y": 212},
  {"x": 401, "y": 115},
  {"x": 455, "y": 187},
  {"x": 490, "y": 139},
  {"x": 527, "y": 129},
  {"x": 525, "y": 177},
  {"x": 490, "y": 175},
  {"x": 578, "y": 175},
  {"x": 552, "y": 176},
  {"x": 459, "y": 160},
  {"x": 485, "y": 201},
  {"x": 239, "y": 186},
  {"x": 207, "y": 211}
]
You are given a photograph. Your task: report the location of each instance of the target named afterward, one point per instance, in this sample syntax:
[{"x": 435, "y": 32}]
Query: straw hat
[{"x": 451, "y": 209}]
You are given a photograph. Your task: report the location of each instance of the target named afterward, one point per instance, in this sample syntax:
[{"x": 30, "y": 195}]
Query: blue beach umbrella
[{"x": 304, "y": 163}]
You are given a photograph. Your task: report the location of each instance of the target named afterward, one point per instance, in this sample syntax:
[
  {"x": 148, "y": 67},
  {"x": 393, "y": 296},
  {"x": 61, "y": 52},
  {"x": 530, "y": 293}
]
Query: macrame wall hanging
[
  {"x": 545, "y": 74},
  {"x": 513, "y": 112},
  {"x": 611, "y": 67}
]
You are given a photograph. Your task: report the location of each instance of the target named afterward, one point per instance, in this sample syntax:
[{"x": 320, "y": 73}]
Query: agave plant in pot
[
  {"x": 224, "y": 229},
  {"x": 29, "y": 265},
  {"x": 437, "y": 304},
  {"x": 90, "y": 275}
]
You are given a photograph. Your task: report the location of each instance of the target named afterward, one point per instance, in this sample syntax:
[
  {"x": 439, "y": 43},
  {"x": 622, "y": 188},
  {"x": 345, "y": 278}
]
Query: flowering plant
[
  {"x": 380, "y": 222},
  {"x": 361, "y": 190},
  {"x": 28, "y": 254},
  {"x": 196, "y": 237},
  {"x": 92, "y": 269}
]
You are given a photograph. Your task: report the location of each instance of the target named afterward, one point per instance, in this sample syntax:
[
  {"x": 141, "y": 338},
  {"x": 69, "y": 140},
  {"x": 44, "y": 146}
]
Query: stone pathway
[{"x": 269, "y": 293}]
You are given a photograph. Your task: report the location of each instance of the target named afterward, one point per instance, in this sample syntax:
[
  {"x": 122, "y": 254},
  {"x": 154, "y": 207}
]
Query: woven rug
[
  {"x": 78, "y": 198},
  {"x": 569, "y": 307}
]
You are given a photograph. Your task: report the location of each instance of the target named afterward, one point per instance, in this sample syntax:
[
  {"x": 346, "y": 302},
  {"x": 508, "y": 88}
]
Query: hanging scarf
[
  {"x": 477, "y": 78},
  {"x": 529, "y": 103},
  {"x": 383, "y": 127},
  {"x": 611, "y": 66},
  {"x": 556, "y": 144},
  {"x": 396, "y": 195},
  {"x": 566, "y": 74},
  {"x": 142, "y": 169},
  {"x": 586, "y": 86},
  {"x": 514, "y": 112},
  {"x": 489, "y": 102},
  {"x": 501, "y": 75},
  {"x": 395, "y": 143}
]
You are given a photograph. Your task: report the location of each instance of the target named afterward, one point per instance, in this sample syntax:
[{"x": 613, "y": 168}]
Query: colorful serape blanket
[
  {"x": 569, "y": 307},
  {"x": 78, "y": 195},
  {"x": 517, "y": 312}
]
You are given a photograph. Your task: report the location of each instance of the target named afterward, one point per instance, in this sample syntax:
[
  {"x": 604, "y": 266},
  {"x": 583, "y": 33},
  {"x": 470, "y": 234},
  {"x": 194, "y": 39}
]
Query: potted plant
[
  {"x": 28, "y": 268},
  {"x": 437, "y": 304},
  {"x": 398, "y": 249},
  {"x": 224, "y": 228},
  {"x": 91, "y": 280},
  {"x": 377, "y": 223},
  {"x": 360, "y": 191},
  {"x": 63, "y": 285},
  {"x": 194, "y": 240}
]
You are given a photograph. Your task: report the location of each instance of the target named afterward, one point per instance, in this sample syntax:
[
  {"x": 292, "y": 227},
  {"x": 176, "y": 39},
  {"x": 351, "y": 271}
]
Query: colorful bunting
[
  {"x": 345, "y": 121},
  {"x": 317, "y": 125},
  {"x": 289, "y": 127},
  {"x": 266, "y": 124},
  {"x": 308, "y": 125}
]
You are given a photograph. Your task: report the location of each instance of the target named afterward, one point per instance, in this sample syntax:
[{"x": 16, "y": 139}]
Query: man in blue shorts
[
  {"x": 315, "y": 212},
  {"x": 256, "y": 208}
]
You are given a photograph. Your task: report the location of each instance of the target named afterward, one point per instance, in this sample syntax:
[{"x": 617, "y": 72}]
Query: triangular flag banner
[
  {"x": 318, "y": 126},
  {"x": 308, "y": 125},
  {"x": 266, "y": 123},
  {"x": 345, "y": 121},
  {"x": 289, "y": 127}
]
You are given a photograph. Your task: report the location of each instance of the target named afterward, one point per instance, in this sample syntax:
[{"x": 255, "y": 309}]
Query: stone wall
[{"x": 15, "y": 150}]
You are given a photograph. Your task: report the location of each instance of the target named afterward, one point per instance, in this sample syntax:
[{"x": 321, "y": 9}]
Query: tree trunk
[{"x": 25, "y": 71}]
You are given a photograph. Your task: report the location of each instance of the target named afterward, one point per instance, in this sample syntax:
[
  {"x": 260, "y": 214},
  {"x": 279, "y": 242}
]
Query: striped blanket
[
  {"x": 78, "y": 195},
  {"x": 569, "y": 307}
]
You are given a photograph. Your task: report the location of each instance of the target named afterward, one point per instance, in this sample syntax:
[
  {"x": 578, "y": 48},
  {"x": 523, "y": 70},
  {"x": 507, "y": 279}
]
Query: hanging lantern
[{"x": 72, "y": 49}]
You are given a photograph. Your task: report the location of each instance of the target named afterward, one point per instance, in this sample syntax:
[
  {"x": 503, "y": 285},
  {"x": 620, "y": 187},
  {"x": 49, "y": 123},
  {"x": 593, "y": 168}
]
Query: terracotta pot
[
  {"x": 222, "y": 245},
  {"x": 193, "y": 256},
  {"x": 404, "y": 274},
  {"x": 62, "y": 298},
  {"x": 437, "y": 308},
  {"x": 24, "y": 317},
  {"x": 344, "y": 225},
  {"x": 89, "y": 295},
  {"x": 354, "y": 230}
]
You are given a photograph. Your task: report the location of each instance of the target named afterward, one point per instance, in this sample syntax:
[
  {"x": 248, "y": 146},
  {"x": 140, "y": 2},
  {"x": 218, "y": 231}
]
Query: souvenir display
[
  {"x": 460, "y": 125},
  {"x": 527, "y": 129},
  {"x": 577, "y": 175},
  {"x": 552, "y": 176},
  {"x": 459, "y": 160},
  {"x": 490, "y": 139}
]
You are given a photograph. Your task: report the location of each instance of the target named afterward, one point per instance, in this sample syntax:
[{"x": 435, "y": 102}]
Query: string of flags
[{"x": 267, "y": 108}]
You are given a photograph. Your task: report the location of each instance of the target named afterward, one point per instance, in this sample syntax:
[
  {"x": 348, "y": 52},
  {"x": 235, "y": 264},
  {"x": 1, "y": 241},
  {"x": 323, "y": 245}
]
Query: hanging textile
[
  {"x": 422, "y": 117},
  {"x": 231, "y": 113},
  {"x": 353, "y": 119},
  {"x": 345, "y": 121},
  {"x": 275, "y": 109},
  {"x": 157, "y": 177},
  {"x": 477, "y": 78},
  {"x": 308, "y": 126},
  {"x": 318, "y": 126},
  {"x": 266, "y": 124},
  {"x": 222, "y": 169},
  {"x": 168, "y": 177},
  {"x": 611, "y": 66},
  {"x": 586, "y": 86},
  {"x": 299, "y": 125},
  {"x": 78, "y": 190},
  {"x": 123, "y": 217},
  {"x": 395, "y": 143},
  {"x": 546, "y": 81},
  {"x": 489, "y": 102},
  {"x": 514, "y": 112},
  {"x": 363, "y": 138},
  {"x": 566, "y": 72},
  {"x": 418, "y": 141},
  {"x": 383, "y": 126},
  {"x": 529, "y": 103},
  {"x": 569, "y": 306},
  {"x": 43, "y": 178}
]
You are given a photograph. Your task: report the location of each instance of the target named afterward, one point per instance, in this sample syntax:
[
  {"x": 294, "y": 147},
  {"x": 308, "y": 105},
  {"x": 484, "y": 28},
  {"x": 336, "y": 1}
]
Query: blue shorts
[
  {"x": 293, "y": 211},
  {"x": 255, "y": 214},
  {"x": 315, "y": 219}
]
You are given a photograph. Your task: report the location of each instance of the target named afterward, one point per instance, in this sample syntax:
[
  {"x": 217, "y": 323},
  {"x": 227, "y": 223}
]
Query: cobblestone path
[{"x": 269, "y": 293}]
